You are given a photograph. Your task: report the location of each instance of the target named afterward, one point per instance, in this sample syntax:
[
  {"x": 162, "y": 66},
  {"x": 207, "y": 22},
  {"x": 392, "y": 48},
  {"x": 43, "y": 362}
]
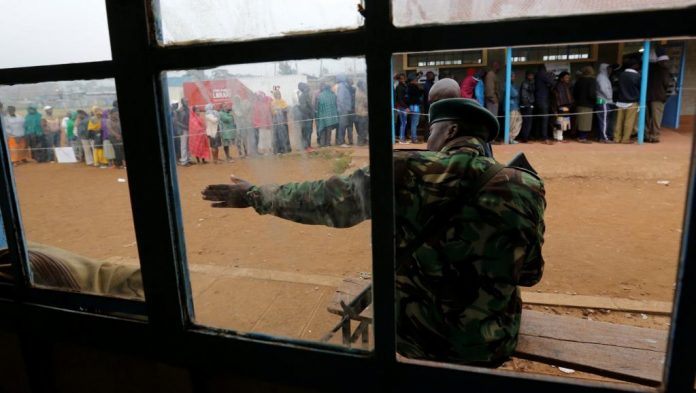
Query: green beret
[{"x": 470, "y": 112}]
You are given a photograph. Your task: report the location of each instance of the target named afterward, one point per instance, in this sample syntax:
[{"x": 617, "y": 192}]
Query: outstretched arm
[{"x": 340, "y": 201}]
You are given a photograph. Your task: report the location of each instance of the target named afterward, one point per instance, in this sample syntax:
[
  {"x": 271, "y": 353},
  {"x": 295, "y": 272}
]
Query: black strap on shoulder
[{"x": 437, "y": 224}]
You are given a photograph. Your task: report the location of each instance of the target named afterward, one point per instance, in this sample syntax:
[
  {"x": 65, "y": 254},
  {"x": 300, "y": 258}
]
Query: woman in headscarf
[
  {"x": 94, "y": 127},
  {"x": 116, "y": 138},
  {"x": 281, "y": 135},
  {"x": 327, "y": 115},
  {"x": 263, "y": 122},
  {"x": 198, "y": 140},
  {"x": 212, "y": 128},
  {"x": 228, "y": 130},
  {"x": 585, "y": 94},
  {"x": 109, "y": 153}
]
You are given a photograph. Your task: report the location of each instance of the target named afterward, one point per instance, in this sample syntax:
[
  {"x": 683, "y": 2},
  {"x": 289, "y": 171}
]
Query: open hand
[{"x": 228, "y": 195}]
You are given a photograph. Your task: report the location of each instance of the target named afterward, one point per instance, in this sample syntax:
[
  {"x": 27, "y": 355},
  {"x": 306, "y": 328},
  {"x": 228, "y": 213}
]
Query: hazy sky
[{"x": 41, "y": 32}]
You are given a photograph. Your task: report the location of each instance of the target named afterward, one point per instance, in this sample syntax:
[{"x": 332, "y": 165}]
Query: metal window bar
[{"x": 137, "y": 68}]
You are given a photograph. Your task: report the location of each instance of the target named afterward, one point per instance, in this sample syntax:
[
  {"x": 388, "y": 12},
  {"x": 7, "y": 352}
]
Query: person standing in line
[
  {"x": 414, "y": 99},
  {"x": 543, "y": 83},
  {"x": 480, "y": 89},
  {"x": 345, "y": 117},
  {"x": 492, "y": 88},
  {"x": 605, "y": 108},
  {"x": 527, "y": 91},
  {"x": 82, "y": 126},
  {"x": 228, "y": 131},
  {"x": 401, "y": 106},
  {"x": 212, "y": 130},
  {"x": 72, "y": 138},
  {"x": 64, "y": 129},
  {"x": 628, "y": 101},
  {"x": 17, "y": 141},
  {"x": 51, "y": 130},
  {"x": 176, "y": 129},
  {"x": 361, "y": 113},
  {"x": 182, "y": 123},
  {"x": 563, "y": 104},
  {"x": 109, "y": 153},
  {"x": 34, "y": 132},
  {"x": 281, "y": 133},
  {"x": 515, "y": 116},
  {"x": 305, "y": 112},
  {"x": 116, "y": 138},
  {"x": 198, "y": 140},
  {"x": 263, "y": 123},
  {"x": 242, "y": 112},
  {"x": 94, "y": 126},
  {"x": 659, "y": 82},
  {"x": 429, "y": 82},
  {"x": 468, "y": 85},
  {"x": 585, "y": 95},
  {"x": 327, "y": 115}
]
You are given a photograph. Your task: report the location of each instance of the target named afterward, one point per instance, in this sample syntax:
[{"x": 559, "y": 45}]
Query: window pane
[
  {"x": 182, "y": 21},
  {"x": 251, "y": 270},
  {"x": 612, "y": 222},
  {"x": 76, "y": 214},
  {"x": 43, "y": 32},
  {"x": 420, "y": 12}
]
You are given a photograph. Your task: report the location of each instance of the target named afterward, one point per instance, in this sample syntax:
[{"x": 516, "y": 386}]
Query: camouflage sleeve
[{"x": 340, "y": 201}]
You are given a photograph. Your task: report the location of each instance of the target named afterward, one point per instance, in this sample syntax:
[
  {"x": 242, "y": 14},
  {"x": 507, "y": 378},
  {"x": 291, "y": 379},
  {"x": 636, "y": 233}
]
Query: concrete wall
[{"x": 689, "y": 83}]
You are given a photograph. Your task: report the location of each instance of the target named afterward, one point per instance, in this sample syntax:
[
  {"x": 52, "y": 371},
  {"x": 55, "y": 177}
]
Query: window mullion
[
  {"x": 679, "y": 362},
  {"x": 151, "y": 170},
  {"x": 378, "y": 58},
  {"x": 12, "y": 220}
]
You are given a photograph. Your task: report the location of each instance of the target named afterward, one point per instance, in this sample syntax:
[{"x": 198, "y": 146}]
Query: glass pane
[
  {"x": 606, "y": 238},
  {"x": 420, "y": 12},
  {"x": 66, "y": 147},
  {"x": 183, "y": 21},
  {"x": 44, "y": 32},
  {"x": 275, "y": 123}
]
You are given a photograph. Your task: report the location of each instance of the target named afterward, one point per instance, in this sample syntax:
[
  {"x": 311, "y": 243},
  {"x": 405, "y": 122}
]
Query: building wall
[{"x": 689, "y": 83}]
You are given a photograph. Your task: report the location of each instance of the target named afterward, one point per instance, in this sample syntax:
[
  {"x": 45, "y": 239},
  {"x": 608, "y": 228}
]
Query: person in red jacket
[{"x": 469, "y": 84}]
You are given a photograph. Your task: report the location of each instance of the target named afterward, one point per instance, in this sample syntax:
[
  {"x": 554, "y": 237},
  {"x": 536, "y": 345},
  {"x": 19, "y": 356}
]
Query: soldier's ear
[{"x": 452, "y": 130}]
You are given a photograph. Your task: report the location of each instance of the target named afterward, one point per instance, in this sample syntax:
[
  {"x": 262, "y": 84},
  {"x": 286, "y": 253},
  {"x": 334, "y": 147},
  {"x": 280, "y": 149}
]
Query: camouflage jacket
[{"x": 457, "y": 293}]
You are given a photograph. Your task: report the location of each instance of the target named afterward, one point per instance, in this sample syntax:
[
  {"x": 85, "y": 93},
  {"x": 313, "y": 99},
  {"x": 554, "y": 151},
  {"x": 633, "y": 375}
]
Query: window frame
[{"x": 169, "y": 335}]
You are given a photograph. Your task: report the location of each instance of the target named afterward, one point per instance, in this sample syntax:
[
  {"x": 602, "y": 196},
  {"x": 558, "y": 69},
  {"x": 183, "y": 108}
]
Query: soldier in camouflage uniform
[{"x": 469, "y": 232}]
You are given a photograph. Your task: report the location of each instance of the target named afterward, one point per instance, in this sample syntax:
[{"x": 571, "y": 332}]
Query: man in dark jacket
[
  {"x": 542, "y": 94},
  {"x": 527, "y": 91},
  {"x": 628, "y": 101},
  {"x": 306, "y": 112},
  {"x": 659, "y": 81},
  {"x": 429, "y": 82}
]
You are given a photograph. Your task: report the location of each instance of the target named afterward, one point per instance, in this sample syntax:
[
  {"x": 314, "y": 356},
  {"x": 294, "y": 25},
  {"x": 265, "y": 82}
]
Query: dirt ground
[{"x": 611, "y": 230}]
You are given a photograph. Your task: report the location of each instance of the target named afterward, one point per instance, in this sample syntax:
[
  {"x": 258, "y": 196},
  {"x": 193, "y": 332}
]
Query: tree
[
  {"x": 284, "y": 68},
  {"x": 222, "y": 74}
]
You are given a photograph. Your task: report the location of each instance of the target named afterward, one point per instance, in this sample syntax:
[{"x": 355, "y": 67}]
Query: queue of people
[
  {"x": 95, "y": 137},
  {"x": 256, "y": 125},
  {"x": 597, "y": 105},
  {"x": 260, "y": 124}
]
